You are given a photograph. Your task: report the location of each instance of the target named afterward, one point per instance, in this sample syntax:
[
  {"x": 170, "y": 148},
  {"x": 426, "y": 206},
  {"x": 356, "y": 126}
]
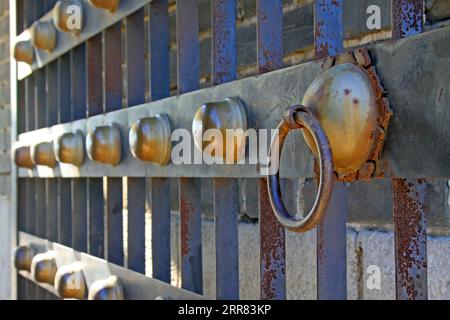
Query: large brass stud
[
  {"x": 221, "y": 116},
  {"x": 150, "y": 139},
  {"x": 22, "y": 157},
  {"x": 23, "y": 257},
  {"x": 24, "y": 51},
  {"x": 110, "y": 5},
  {"x": 68, "y": 16},
  {"x": 344, "y": 101},
  {"x": 69, "y": 148},
  {"x": 43, "y": 35},
  {"x": 43, "y": 154},
  {"x": 43, "y": 267},
  {"x": 70, "y": 282},
  {"x": 107, "y": 289},
  {"x": 103, "y": 144}
]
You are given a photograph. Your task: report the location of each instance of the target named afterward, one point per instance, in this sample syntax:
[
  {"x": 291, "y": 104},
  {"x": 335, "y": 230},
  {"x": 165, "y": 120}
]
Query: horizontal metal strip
[
  {"x": 413, "y": 71},
  {"x": 136, "y": 286},
  {"x": 95, "y": 21}
]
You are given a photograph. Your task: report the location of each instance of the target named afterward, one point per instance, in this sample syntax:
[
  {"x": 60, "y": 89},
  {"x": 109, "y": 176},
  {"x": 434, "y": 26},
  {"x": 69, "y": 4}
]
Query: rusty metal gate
[{"x": 93, "y": 113}]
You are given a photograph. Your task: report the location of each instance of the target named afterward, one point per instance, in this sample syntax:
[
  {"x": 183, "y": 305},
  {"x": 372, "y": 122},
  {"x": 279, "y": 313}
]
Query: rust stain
[
  {"x": 272, "y": 246},
  {"x": 186, "y": 215},
  {"x": 410, "y": 236}
]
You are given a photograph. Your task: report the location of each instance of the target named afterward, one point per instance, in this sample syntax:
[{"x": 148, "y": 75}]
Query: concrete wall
[{"x": 5, "y": 107}]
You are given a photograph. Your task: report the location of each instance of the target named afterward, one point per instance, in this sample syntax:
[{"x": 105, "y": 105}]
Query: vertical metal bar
[
  {"x": 52, "y": 184},
  {"x": 135, "y": 62},
  {"x": 160, "y": 187},
  {"x": 331, "y": 232},
  {"x": 410, "y": 196},
  {"x": 113, "y": 101},
  {"x": 79, "y": 186},
  {"x": 188, "y": 57},
  {"x": 64, "y": 185},
  {"x": 328, "y": 30},
  {"x": 271, "y": 233},
  {"x": 94, "y": 67},
  {"x": 226, "y": 198}
]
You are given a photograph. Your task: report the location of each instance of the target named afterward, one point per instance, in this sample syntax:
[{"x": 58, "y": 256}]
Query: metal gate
[{"x": 85, "y": 124}]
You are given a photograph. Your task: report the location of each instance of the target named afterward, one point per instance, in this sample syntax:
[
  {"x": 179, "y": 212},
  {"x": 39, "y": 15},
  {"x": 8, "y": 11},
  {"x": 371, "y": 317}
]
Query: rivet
[
  {"x": 23, "y": 257},
  {"x": 110, "y": 5},
  {"x": 70, "y": 282},
  {"x": 43, "y": 267},
  {"x": 69, "y": 148},
  {"x": 103, "y": 144},
  {"x": 68, "y": 16},
  {"x": 150, "y": 139},
  {"x": 43, "y": 154},
  {"x": 43, "y": 35},
  {"x": 22, "y": 157},
  {"x": 24, "y": 52},
  {"x": 107, "y": 289}
]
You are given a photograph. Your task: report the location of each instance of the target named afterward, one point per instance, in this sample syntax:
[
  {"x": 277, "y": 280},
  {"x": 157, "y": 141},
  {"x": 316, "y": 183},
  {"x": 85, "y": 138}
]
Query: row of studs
[
  {"x": 44, "y": 33},
  {"x": 149, "y": 139}
]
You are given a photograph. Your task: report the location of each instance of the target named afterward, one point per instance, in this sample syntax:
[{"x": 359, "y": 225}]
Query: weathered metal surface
[
  {"x": 134, "y": 45},
  {"x": 22, "y": 157},
  {"x": 43, "y": 267},
  {"x": 136, "y": 286},
  {"x": 104, "y": 144},
  {"x": 348, "y": 102},
  {"x": 410, "y": 197},
  {"x": 226, "y": 208},
  {"x": 188, "y": 56},
  {"x": 63, "y": 18},
  {"x": 94, "y": 22},
  {"x": 277, "y": 90},
  {"x": 331, "y": 247},
  {"x": 221, "y": 116},
  {"x": 410, "y": 206},
  {"x": 149, "y": 139},
  {"x": 43, "y": 35},
  {"x": 24, "y": 52},
  {"x": 331, "y": 231},
  {"x": 328, "y": 28},
  {"x": 79, "y": 186},
  {"x": 271, "y": 233},
  {"x": 43, "y": 154},
  {"x": 113, "y": 101},
  {"x": 70, "y": 282},
  {"x": 226, "y": 199},
  {"x": 69, "y": 148},
  {"x": 110, "y": 5},
  {"x": 295, "y": 118},
  {"x": 94, "y": 96},
  {"x": 407, "y": 18},
  {"x": 22, "y": 258}
]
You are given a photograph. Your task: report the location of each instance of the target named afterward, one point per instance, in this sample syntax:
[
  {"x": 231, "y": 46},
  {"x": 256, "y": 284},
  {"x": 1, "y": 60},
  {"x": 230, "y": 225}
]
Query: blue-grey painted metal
[
  {"x": 135, "y": 95},
  {"x": 188, "y": 58},
  {"x": 79, "y": 186},
  {"x": 94, "y": 96},
  {"x": 410, "y": 196},
  {"x": 328, "y": 28},
  {"x": 226, "y": 200},
  {"x": 271, "y": 233},
  {"x": 160, "y": 188},
  {"x": 64, "y": 185},
  {"x": 113, "y": 101},
  {"x": 331, "y": 232}
]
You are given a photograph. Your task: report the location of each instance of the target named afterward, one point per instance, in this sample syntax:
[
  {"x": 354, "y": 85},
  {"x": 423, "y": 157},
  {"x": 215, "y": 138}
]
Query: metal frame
[{"x": 75, "y": 82}]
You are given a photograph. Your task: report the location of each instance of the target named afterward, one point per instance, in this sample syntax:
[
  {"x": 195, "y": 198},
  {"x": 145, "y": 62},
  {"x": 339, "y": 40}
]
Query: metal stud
[
  {"x": 110, "y": 5},
  {"x": 69, "y": 148},
  {"x": 343, "y": 99},
  {"x": 64, "y": 13},
  {"x": 43, "y": 267},
  {"x": 24, "y": 51},
  {"x": 70, "y": 282},
  {"x": 221, "y": 115},
  {"x": 108, "y": 289},
  {"x": 103, "y": 144},
  {"x": 22, "y": 157},
  {"x": 150, "y": 139},
  {"x": 43, "y": 35},
  {"x": 23, "y": 257},
  {"x": 43, "y": 154}
]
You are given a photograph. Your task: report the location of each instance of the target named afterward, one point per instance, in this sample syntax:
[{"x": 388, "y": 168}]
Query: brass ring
[{"x": 300, "y": 117}]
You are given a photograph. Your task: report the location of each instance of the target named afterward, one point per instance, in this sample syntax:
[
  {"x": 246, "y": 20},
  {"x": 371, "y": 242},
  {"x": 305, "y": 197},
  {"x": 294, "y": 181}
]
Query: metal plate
[{"x": 417, "y": 143}]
